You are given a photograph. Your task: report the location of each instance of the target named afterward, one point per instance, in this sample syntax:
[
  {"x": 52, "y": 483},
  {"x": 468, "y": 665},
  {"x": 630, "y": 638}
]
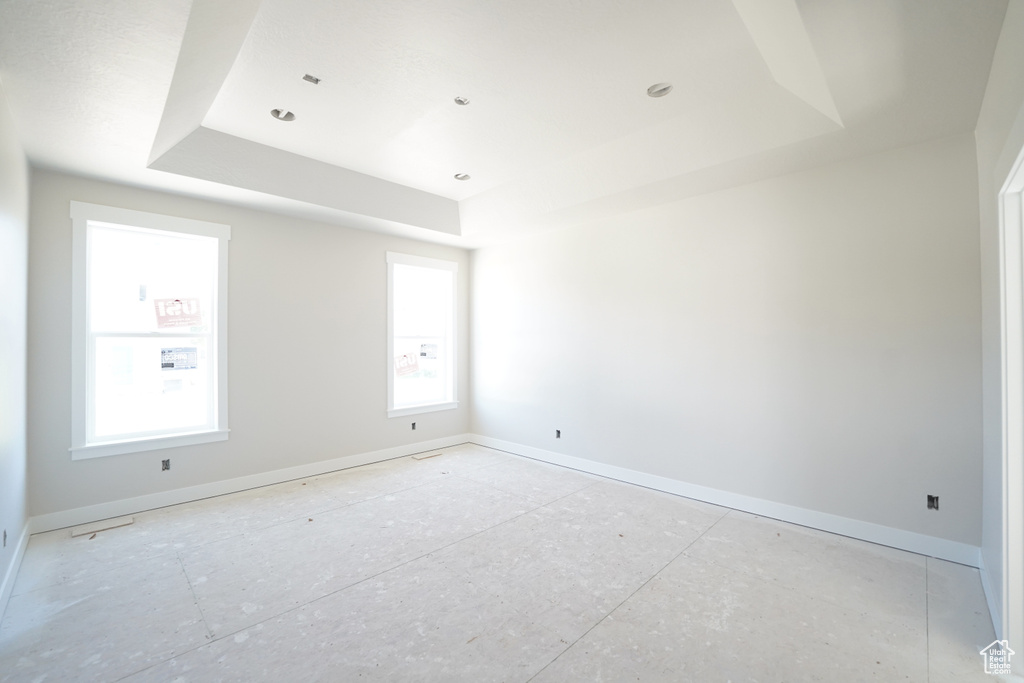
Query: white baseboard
[
  {"x": 12, "y": 570},
  {"x": 922, "y": 544},
  {"x": 897, "y": 538},
  {"x": 130, "y": 506},
  {"x": 991, "y": 597}
]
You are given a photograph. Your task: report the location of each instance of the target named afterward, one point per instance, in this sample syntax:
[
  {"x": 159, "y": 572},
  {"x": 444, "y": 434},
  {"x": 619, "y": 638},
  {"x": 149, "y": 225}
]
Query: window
[
  {"x": 149, "y": 366},
  {"x": 421, "y": 334}
]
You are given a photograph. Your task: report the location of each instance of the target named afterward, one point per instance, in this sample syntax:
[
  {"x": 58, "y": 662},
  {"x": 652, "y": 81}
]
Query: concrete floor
[{"x": 481, "y": 566}]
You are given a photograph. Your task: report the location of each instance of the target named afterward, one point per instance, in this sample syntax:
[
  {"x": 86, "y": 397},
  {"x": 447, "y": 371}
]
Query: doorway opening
[{"x": 1011, "y": 245}]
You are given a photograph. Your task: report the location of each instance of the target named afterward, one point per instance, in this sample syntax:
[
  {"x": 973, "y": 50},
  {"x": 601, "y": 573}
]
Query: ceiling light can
[
  {"x": 462, "y": 176},
  {"x": 282, "y": 114},
  {"x": 659, "y": 89},
  {"x": 461, "y": 101}
]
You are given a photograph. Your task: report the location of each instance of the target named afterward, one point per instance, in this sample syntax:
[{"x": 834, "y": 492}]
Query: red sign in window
[
  {"x": 407, "y": 364},
  {"x": 177, "y": 313}
]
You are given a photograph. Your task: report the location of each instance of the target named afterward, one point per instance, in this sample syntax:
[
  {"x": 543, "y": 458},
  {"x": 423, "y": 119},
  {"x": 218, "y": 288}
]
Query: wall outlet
[
  {"x": 933, "y": 502},
  {"x": 414, "y": 426},
  {"x": 558, "y": 433},
  {"x": 165, "y": 465}
]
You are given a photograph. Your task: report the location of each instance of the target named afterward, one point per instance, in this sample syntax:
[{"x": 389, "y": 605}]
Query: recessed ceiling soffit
[{"x": 379, "y": 131}]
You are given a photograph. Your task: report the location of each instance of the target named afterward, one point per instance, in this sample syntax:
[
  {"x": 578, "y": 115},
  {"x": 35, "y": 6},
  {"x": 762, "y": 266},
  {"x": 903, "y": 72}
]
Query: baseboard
[
  {"x": 130, "y": 506},
  {"x": 12, "y": 570},
  {"x": 992, "y": 598},
  {"x": 922, "y": 544},
  {"x": 931, "y": 546}
]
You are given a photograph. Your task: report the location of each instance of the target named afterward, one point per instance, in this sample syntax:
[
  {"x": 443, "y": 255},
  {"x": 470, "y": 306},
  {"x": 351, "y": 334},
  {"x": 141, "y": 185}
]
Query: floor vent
[
  {"x": 102, "y": 525},
  {"x": 424, "y": 456}
]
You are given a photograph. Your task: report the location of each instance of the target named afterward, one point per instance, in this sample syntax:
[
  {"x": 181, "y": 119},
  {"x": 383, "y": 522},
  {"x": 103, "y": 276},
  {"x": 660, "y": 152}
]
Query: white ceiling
[{"x": 176, "y": 95}]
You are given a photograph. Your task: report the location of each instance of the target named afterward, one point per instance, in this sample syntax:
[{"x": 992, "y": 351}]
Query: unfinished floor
[{"x": 481, "y": 566}]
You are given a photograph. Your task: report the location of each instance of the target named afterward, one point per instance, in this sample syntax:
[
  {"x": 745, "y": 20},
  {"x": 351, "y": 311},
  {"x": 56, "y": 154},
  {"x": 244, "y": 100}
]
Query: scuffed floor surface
[{"x": 481, "y": 566}]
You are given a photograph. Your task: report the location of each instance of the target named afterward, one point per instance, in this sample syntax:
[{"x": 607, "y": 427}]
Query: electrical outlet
[
  {"x": 414, "y": 426},
  {"x": 165, "y": 465},
  {"x": 558, "y": 433},
  {"x": 933, "y": 502}
]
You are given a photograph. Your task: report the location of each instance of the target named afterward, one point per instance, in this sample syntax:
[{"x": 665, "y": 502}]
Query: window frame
[
  {"x": 396, "y": 258},
  {"x": 82, "y": 214}
]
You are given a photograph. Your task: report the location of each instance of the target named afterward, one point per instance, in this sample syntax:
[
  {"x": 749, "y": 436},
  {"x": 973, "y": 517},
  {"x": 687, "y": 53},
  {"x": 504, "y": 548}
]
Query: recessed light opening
[
  {"x": 659, "y": 89},
  {"x": 282, "y": 114},
  {"x": 462, "y": 176},
  {"x": 311, "y": 78},
  {"x": 461, "y": 101}
]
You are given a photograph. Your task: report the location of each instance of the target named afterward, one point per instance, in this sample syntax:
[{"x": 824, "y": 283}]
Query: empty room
[{"x": 481, "y": 340}]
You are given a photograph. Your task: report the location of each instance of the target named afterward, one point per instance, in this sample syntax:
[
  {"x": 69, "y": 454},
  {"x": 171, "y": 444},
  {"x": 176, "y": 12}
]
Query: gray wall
[
  {"x": 1000, "y": 138},
  {"x": 812, "y": 339},
  {"x": 307, "y": 324},
  {"x": 13, "y": 283}
]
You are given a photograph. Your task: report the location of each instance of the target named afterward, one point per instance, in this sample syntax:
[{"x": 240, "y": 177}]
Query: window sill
[
  {"x": 99, "y": 450},
  {"x": 416, "y": 410}
]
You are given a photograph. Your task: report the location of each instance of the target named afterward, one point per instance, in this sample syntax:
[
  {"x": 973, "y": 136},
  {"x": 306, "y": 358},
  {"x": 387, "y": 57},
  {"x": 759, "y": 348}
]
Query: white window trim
[
  {"x": 424, "y": 262},
  {"x": 81, "y": 214}
]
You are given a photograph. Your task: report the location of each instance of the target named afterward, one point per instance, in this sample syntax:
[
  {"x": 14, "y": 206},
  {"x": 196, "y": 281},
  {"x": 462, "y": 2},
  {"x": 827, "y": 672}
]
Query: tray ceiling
[{"x": 559, "y": 127}]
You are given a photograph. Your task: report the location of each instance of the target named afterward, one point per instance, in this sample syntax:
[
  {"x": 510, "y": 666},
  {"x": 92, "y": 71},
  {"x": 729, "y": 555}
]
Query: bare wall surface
[
  {"x": 812, "y": 339},
  {"x": 1000, "y": 138},
  {"x": 13, "y": 297},
  {"x": 307, "y": 324}
]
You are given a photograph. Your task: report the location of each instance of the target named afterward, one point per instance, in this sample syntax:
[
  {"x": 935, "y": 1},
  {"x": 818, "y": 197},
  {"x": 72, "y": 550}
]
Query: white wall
[
  {"x": 13, "y": 282},
  {"x": 1000, "y": 138},
  {"x": 306, "y": 343},
  {"x": 812, "y": 340}
]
